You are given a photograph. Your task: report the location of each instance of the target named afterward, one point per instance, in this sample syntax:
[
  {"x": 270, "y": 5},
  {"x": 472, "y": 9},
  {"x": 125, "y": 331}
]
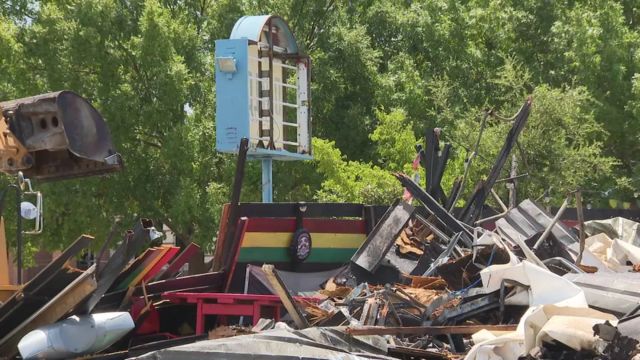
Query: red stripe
[
  {"x": 179, "y": 260},
  {"x": 242, "y": 229},
  {"x": 163, "y": 260},
  {"x": 330, "y": 226}
]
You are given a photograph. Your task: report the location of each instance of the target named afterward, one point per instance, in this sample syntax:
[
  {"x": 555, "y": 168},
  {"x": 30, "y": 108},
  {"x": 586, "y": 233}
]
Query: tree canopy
[{"x": 382, "y": 73}]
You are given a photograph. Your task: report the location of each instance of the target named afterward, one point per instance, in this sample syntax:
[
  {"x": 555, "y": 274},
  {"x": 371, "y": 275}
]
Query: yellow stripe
[
  {"x": 319, "y": 240},
  {"x": 159, "y": 254}
]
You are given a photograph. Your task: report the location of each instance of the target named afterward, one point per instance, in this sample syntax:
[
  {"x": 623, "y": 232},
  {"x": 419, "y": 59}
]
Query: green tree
[{"x": 382, "y": 72}]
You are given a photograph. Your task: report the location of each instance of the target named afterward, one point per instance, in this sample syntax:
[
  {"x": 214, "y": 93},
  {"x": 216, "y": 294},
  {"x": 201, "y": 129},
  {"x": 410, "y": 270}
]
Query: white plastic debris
[{"x": 75, "y": 336}]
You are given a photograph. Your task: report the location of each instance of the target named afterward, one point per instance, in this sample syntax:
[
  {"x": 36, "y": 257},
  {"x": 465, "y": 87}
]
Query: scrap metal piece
[
  {"x": 444, "y": 159},
  {"x": 136, "y": 271},
  {"x": 66, "y": 137},
  {"x": 168, "y": 255},
  {"x": 435, "y": 208},
  {"x": 617, "y": 293},
  {"x": 383, "y": 236},
  {"x": 143, "y": 233},
  {"x": 622, "y": 341},
  {"x": 432, "y": 142},
  {"x": 403, "y": 352},
  {"x": 469, "y": 308},
  {"x": 142, "y": 349},
  {"x": 444, "y": 256},
  {"x": 553, "y": 222},
  {"x": 241, "y": 228},
  {"x": 281, "y": 343},
  {"x": 561, "y": 266},
  {"x": 616, "y": 228},
  {"x": 528, "y": 254},
  {"x": 529, "y": 219}
]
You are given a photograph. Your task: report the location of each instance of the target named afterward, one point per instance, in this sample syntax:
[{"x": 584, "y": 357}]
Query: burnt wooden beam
[
  {"x": 286, "y": 298},
  {"x": 431, "y": 159}
]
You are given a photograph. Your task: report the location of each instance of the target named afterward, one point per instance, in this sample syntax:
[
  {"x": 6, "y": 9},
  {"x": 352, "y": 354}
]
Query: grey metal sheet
[
  {"x": 614, "y": 292},
  {"x": 381, "y": 239},
  {"x": 274, "y": 344},
  {"x": 529, "y": 219}
]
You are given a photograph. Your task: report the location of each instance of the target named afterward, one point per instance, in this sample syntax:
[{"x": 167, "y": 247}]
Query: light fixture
[{"x": 226, "y": 64}]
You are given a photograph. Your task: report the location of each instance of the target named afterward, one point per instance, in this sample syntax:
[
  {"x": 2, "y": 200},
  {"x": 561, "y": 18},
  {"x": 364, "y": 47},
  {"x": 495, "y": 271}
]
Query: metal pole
[
  {"x": 581, "y": 225},
  {"x": 19, "y": 227},
  {"x": 511, "y": 184},
  {"x": 555, "y": 219},
  {"x": 267, "y": 180}
]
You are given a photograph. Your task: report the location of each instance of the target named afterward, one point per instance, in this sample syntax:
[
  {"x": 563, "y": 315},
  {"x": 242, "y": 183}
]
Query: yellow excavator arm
[{"x": 52, "y": 136}]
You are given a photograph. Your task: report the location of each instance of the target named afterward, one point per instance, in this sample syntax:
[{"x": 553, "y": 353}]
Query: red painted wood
[
  {"x": 179, "y": 261},
  {"x": 242, "y": 228},
  {"x": 228, "y": 309},
  {"x": 193, "y": 297},
  {"x": 222, "y": 232},
  {"x": 162, "y": 262},
  {"x": 199, "y": 318},
  {"x": 339, "y": 226},
  {"x": 225, "y": 304}
]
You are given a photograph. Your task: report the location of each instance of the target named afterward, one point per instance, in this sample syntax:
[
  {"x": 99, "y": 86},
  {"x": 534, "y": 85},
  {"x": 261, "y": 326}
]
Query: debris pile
[
  {"x": 94, "y": 305},
  {"x": 498, "y": 299}
]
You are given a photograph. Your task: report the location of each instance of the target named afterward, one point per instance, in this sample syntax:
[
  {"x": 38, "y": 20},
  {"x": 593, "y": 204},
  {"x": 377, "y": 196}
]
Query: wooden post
[{"x": 288, "y": 302}]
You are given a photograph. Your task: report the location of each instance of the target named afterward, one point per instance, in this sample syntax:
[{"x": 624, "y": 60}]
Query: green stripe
[{"x": 280, "y": 254}]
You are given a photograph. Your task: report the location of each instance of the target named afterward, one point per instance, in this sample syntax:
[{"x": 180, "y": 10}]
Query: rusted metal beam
[
  {"x": 143, "y": 232},
  {"x": 427, "y": 330},
  {"x": 53, "y": 311}
]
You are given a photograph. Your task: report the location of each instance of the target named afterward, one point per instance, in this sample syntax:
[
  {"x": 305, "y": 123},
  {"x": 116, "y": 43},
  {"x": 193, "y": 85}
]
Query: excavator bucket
[{"x": 55, "y": 136}]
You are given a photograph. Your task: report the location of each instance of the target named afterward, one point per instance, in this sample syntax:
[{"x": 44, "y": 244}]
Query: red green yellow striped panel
[{"x": 333, "y": 240}]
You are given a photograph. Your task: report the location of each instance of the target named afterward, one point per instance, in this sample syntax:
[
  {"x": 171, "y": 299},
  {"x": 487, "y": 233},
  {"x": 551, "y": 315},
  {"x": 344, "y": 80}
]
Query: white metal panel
[{"x": 303, "y": 109}]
